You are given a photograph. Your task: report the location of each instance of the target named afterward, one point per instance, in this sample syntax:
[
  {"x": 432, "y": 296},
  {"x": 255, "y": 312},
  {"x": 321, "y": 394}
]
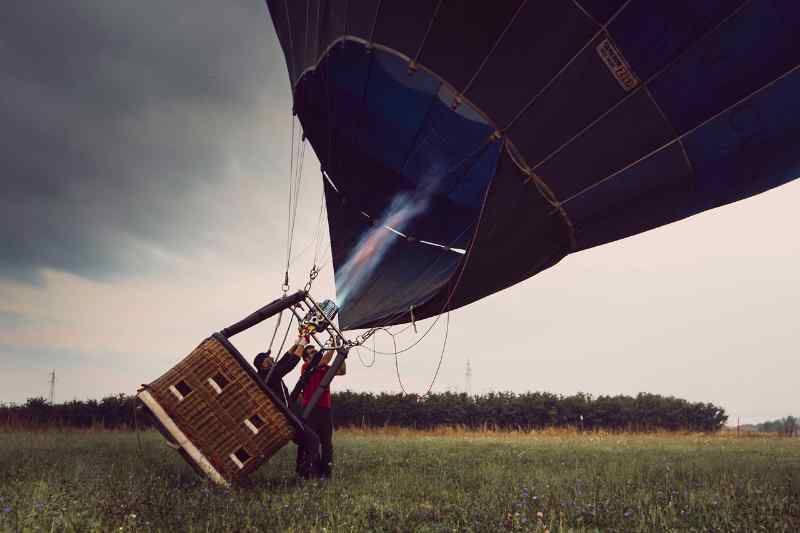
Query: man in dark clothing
[
  {"x": 272, "y": 374},
  {"x": 274, "y": 378},
  {"x": 321, "y": 417}
]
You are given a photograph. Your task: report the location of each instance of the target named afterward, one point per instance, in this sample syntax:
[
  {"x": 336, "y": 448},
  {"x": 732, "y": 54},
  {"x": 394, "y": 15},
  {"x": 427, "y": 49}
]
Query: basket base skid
[{"x": 181, "y": 439}]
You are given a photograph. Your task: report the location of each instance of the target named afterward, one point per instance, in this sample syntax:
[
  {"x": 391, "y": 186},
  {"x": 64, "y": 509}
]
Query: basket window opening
[
  {"x": 240, "y": 457},
  {"x": 254, "y": 424},
  {"x": 181, "y": 390},
  {"x": 218, "y": 382}
]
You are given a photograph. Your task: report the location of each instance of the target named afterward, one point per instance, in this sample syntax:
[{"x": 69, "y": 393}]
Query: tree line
[
  {"x": 495, "y": 410},
  {"x": 532, "y": 410}
]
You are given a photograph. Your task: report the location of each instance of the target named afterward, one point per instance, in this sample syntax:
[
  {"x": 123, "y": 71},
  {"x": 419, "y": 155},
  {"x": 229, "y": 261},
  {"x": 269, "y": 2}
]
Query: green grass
[{"x": 402, "y": 481}]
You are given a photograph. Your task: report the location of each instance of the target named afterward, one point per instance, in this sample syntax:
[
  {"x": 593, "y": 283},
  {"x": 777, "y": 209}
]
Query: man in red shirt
[{"x": 320, "y": 419}]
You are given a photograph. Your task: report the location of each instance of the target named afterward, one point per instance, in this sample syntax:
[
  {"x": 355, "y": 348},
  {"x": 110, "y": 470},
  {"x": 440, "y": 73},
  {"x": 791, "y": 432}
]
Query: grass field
[{"x": 404, "y": 481}]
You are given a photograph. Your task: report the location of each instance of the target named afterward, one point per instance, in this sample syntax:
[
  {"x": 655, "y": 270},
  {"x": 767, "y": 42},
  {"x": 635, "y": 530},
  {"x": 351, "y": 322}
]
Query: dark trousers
[
  {"x": 321, "y": 422},
  {"x": 307, "y": 453}
]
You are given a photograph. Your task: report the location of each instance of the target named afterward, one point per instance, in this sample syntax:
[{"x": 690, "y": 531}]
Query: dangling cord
[
  {"x": 441, "y": 357},
  {"x": 397, "y": 352},
  {"x": 397, "y": 367},
  {"x": 136, "y": 427},
  {"x": 374, "y": 357}
]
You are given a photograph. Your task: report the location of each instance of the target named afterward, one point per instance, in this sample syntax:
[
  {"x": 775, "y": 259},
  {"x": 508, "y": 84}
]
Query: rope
[
  {"x": 136, "y": 427},
  {"x": 361, "y": 359},
  {"x": 397, "y": 352},
  {"x": 441, "y": 357},
  {"x": 397, "y": 367},
  {"x": 280, "y": 352},
  {"x": 286, "y": 335}
]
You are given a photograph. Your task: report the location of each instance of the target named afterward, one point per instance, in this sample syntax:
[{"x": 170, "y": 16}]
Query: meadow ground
[{"x": 395, "y": 480}]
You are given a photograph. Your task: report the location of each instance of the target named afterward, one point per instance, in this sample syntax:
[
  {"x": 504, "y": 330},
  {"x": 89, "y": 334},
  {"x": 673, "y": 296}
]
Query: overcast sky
[{"x": 145, "y": 162}]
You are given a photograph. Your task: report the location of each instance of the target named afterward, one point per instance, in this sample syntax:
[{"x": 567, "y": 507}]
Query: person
[
  {"x": 307, "y": 440},
  {"x": 273, "y": 379},
  {"x": 320, "y": 419}
]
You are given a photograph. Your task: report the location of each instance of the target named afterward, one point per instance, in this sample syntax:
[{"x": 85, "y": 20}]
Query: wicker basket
[{"x": 218, "y": 413}]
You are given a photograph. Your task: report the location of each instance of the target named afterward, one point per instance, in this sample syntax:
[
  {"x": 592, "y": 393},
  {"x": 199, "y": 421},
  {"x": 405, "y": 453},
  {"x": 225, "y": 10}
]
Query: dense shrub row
[
  {"x": 112, "y": 412},
  {"x": 497, "y": 410},
  {"x": 533, "y": 410}
]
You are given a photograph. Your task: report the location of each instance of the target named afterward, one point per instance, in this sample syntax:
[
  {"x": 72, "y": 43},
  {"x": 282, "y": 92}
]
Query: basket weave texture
[{"x": 215, "y": 420}]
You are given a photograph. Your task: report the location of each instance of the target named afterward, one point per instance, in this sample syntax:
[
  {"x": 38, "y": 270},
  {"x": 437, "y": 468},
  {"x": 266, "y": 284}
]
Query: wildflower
[
  {"x": 628, "y": 513},
  {"x": 7, "y": 509},
  {"x": 38, "y": 506}
]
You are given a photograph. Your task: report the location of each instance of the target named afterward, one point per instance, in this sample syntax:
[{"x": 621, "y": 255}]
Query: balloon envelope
[{"x": 523, "y": 131}]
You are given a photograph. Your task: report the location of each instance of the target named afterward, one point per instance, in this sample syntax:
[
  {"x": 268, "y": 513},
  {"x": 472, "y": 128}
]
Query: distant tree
[
  {"x": 784, "y": 426},
  {"x": 790, "y": 426}
]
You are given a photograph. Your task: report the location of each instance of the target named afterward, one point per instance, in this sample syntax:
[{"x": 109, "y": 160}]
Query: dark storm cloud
[{"x": 115, "y": 117}]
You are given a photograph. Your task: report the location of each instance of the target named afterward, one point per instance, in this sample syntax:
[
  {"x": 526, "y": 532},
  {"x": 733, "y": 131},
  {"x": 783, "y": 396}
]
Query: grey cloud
[
  {"x": 10, "y": 321},
  {"x": 119, "y": 122}
]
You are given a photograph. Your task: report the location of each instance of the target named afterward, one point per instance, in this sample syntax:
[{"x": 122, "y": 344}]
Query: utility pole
[
  {"x": 468, "y": 380},
  {"x": 52, "y": 387}
]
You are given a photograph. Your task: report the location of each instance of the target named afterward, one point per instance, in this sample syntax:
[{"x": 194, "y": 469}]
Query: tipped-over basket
[{"x": 215, "y": 410}]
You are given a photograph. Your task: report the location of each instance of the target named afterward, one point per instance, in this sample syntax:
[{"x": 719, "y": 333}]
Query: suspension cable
[
  {"x": 289, "y": 214},
  {"x": 295, "y": 183},
  {"x": 275, "y": 331}
]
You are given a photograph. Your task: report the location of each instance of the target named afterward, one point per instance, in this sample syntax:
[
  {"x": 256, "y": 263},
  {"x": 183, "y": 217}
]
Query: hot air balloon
[{"x": 495, "y": 138}]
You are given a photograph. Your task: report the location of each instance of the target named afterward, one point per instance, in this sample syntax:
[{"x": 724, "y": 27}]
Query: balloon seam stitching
[
  {"x": 586, "y": 12},
  {"x": 686, "y": 134},
  {"x": 647, "y": 91},
  {"x": 489, "y": 54},
  {"x": 563, "y": 69},
  {"x": 641, "y": 86}
]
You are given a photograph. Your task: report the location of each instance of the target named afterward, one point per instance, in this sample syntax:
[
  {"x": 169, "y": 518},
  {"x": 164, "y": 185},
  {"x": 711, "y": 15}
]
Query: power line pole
[
  {"x": 52, "y": 387},
  {"x": 468, "y": 380}
]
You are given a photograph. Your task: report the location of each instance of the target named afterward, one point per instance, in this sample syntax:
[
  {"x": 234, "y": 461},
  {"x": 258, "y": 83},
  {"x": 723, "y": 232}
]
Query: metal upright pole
[
  {"x": 325, "y": 384},
  {"x": 301, "y": 383}
]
